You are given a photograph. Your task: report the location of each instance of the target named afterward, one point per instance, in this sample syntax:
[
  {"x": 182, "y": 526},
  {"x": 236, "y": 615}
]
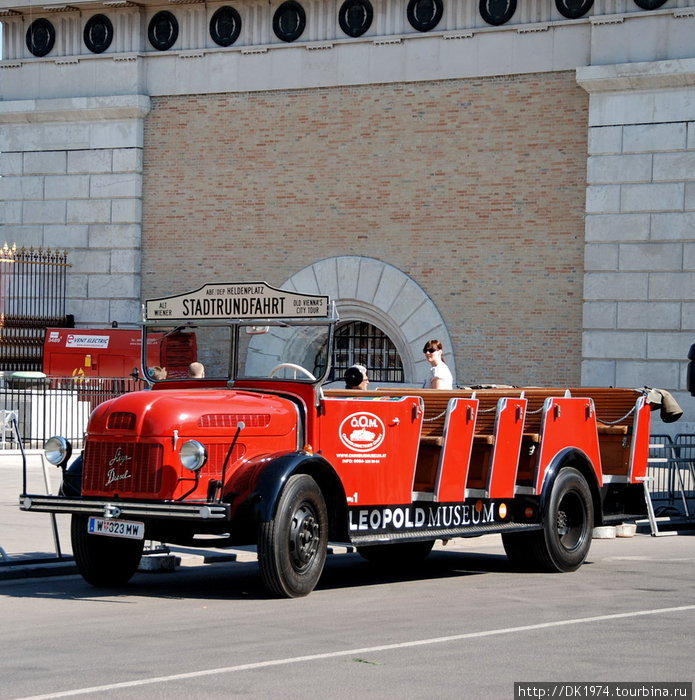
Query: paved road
[{"x": 465, "y": 626}]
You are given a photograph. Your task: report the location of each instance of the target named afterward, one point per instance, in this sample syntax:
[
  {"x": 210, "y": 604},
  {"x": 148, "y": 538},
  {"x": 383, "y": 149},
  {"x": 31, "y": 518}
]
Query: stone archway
[{"x": 366, "y": 289}]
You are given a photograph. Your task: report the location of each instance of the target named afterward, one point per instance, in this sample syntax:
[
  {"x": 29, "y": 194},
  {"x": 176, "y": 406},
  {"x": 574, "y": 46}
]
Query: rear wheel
[
  {"x": 563, "y": 543},
  {"x": 103, "y": 561},
  {"x": 292, "y": 547},
  {"x": 400, "y": 554}
]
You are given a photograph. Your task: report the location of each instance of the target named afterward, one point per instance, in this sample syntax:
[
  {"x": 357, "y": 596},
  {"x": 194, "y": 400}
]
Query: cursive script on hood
[{"x": 118, "y": 460}]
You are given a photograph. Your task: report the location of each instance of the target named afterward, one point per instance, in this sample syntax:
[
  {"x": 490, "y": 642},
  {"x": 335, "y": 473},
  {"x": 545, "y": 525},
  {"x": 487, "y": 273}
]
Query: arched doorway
[{"x": 376, "y": 293}]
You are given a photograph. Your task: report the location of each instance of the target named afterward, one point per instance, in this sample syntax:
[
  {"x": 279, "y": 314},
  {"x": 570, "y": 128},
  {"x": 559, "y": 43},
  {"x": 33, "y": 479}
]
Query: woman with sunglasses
[{"x": 439, "y": 375}]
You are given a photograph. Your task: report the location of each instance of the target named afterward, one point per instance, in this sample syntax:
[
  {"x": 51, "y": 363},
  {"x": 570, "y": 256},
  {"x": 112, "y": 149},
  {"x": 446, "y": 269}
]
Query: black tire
[
  {"x": 103, "y": 561},
  {"x": 563, "y": 543},
  {"x": 400, "y": 555},
  {"x": 292, "y": 547}
]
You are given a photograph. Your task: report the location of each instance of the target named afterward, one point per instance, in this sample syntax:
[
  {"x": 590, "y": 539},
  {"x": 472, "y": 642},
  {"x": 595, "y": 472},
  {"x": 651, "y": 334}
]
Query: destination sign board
[{"x": 237, "y": 300}]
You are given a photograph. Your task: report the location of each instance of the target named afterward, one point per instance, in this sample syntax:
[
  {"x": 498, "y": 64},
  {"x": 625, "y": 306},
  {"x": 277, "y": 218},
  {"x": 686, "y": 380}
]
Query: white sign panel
[
  {"x": 242, "y": 300},
  {"x": 87, "y": 341}
]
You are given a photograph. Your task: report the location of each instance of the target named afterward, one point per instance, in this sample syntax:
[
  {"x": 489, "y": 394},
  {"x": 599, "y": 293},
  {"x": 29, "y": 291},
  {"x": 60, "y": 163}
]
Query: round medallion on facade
[
  {"x": 289, "y": 21},
  {"x": 98, "y": 33},
  {"x": 163, "y": 31},
  {"x": 225, "y": 26},
  {"x": 649, "y": 4},
  {"x": 41, "y": 36},
  {"x": 573, "y": 9},
  {"x": 497, "y": 12},
  {"x": 424, "y": 15},
  {"x": 355, "y": 17}
]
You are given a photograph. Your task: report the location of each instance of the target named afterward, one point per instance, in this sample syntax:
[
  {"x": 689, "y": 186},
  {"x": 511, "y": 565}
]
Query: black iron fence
[
  {"x": 32, "y": 298},
  {"x": 55, "y": 406}
]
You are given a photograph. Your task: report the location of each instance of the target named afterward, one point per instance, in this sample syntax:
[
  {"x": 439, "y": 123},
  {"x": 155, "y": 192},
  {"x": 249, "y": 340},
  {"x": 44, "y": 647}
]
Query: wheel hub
[
  {"x": 562, "y": 524},
  {"x": 571, "y": 521},
  {"x": 304, "y": 537}
]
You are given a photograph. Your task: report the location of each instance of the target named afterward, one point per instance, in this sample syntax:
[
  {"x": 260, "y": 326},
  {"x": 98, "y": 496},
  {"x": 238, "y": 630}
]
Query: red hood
[{"x": 193, "y": 413}]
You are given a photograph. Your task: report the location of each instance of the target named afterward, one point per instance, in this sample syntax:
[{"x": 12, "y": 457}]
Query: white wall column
[
  {"x": 639, "y": 290},
  {"x": 72, "y": 178}
]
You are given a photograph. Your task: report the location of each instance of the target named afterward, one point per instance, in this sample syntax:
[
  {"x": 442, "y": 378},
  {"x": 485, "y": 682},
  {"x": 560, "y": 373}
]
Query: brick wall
[{"x": 475, "y": 188}]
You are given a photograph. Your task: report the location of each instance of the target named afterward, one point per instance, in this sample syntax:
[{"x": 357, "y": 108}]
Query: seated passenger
[
  {"x": 196, "y": 370},
  {"x": 356, "y": 377},
  {"x": 439, "y": 375}
]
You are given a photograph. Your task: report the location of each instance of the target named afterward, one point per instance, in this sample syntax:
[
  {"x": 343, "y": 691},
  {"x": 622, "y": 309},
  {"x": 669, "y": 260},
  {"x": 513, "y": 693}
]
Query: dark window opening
[
  {"x": 225, "y": 26},
  {"x": 289, "y": 21},
  {"x": 355, "y": 17},
  {"x": 497, "y": 12},
  {"x": 358, "y": 342},
  {"x": 41, "y": 37},
  {"x": 573, "y": 9},
  {"x": 649, "y": 4},
  {"x": 424, "y": 15},
  {"x": 163, "y": 31},
  {"x": 98, "y": 33}
]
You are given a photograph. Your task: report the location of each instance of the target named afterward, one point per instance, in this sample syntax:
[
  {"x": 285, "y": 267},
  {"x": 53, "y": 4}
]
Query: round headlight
[
  {"x": 57, "y": 450},
  {"x": 193, "y": 455}
]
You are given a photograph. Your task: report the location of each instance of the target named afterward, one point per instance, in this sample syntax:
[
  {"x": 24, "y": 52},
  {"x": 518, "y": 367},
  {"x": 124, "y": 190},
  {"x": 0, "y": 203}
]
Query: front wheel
[
  {"x": 103, "y": 561},
  {"x": 292, "y": 546}
]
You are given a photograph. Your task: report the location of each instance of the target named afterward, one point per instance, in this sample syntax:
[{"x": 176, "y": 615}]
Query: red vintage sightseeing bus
[{"x": 260, "y": 452}]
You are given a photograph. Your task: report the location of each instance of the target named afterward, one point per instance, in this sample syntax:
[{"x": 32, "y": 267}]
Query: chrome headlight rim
[
  {"x": 57, "y": 450},
  {"x": 193, "y": 455}
]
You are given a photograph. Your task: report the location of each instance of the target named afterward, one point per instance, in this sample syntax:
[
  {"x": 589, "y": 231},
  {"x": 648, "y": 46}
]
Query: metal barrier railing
[
  {"x": 56, "y": 406},
  {"x": 671, "y": 475}
]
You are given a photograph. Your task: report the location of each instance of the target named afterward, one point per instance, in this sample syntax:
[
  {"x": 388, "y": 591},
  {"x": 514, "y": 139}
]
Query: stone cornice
[
  {"x": 74, "y": 109},
  {"x": 655, "y": 75}
]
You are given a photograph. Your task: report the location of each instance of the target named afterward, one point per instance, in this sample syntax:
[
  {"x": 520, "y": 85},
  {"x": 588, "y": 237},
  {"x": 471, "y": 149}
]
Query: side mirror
[{"x": 691, "y": 370}]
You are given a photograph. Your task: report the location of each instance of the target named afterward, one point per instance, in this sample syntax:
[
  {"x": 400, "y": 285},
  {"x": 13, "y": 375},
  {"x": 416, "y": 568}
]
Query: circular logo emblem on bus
[{"x": 362, "y": 432}]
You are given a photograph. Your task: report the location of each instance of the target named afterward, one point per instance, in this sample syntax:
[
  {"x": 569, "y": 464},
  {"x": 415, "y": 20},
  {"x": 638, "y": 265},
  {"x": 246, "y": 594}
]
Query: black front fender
[
  {"x": 271, "y": 480},
  {"x": 71, "y": 487}
]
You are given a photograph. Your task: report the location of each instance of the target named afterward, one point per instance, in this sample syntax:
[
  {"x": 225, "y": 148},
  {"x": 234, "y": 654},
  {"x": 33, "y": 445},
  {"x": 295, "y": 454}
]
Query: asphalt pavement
[
  {"x": 464, "y": 624},
  {"x": 29, "y": 545}
]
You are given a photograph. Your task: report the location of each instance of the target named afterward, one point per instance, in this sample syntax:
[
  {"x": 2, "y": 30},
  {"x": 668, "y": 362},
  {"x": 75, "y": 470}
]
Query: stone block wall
[
  {"x": 72, "y": 179},
  {"x": 639, "y": 288}
]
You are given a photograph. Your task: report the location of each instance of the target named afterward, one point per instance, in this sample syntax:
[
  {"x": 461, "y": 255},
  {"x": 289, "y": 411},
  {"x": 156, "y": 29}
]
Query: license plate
[{"x": 116, "y": 528}]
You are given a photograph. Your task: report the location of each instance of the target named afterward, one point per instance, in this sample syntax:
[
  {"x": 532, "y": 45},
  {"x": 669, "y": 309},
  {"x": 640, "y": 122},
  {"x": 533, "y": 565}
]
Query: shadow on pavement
[{"x": 241, "y": 580}]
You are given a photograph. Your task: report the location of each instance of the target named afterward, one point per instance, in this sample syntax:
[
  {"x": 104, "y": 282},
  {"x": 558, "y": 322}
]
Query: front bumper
[{"x": 192, "y": 512}]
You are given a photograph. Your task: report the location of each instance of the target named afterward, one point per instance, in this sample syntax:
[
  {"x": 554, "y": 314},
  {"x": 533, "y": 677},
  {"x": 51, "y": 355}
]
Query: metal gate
[{"x": 32, "y": 298}]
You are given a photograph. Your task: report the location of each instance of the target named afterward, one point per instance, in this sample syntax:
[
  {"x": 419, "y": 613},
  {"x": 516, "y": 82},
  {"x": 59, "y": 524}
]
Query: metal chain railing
[
  {"x": 434, "y": 418},
  {"x": 615, "y": 422}
]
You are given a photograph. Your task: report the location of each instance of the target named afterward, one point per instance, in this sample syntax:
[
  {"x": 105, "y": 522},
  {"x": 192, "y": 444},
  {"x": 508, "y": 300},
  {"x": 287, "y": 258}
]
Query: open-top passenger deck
[{"x": 500, "y": 441}]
